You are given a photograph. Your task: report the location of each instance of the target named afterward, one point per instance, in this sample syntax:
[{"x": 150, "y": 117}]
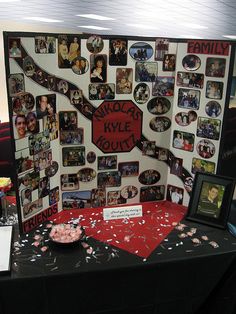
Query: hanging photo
[
  {"x": 129, "y": 168},
  {"x": 206, "y": 149},
  {"x": 77, "y": 199},
  {"x": 163, "y": 86},
  {"x": 149, "y": 148},
  {"x": 51, "y": 83},
  {"x": 73, "y": 156},
  {"x": 14, "y": 47},
  {"x": 62, "y": 86},
  {"x": 174, "y": 194},
  {"x": 152, "y": 193},
  {"x": 200, "y": 165},
  {"x": 107, "y": 162},
  {"x": 86, "y": 174},
  {"x": 101, "y": 91},
  {"x": 75, "y": 137},
  {"x": 208, "y": 128},
  {"x": 69, "y": 182},
  {"x": 169, "y": 61},
  {"x": 161, "y": 48},
  {"x": 54, "y": 196},
  {"x": 98, "y": 197},
  {"x": 186, "y": 79},
  {"x": 115, "y": 198},
  {"x": 68, "y": 50},
  {"x": 118, "y": 51},
  {"x": 191, "y": 62},
  {"x": 109, "y": 179},
  {"x": 45, "y": 105},
  {"x": 163, "y": 154},
  {"x": 176, "y": 166},
  {"x": 158, "y": 105},
  {"x": 91, "y": 157},
  {"x": 39, "y": 142},
  {"x": 32, "y": 208},
  {"x": 149, "y": 176},
  {"x": 95, "y": 44},
  {"x": 80, "y": 65},
  {"x": 160, "y": 124},
  {"x": 124, "y": 79},
  {"x": 30, "y": 180},
  {"x": 129, "y": 192},
  {"x": 45, "y": 44},
  {"x": 26, "y": 197},
  {"x": 214, "y": 89},
  {"x": 68, "y": 120},
  {"x": 52, "y": 169},
  {"x": 23, "y": 103},
  {"x": 24, "y": 161},
  {"x": 40, "y": 77},
  {"x": 32, "y": 123},
  {"x": 98, "y": 68},
  {"x": 215, "y": 67},
  {"x": 141, "y": 93},
  {"x": 16, "y": 84},
  {"x": 76, "y": 97},
  {"x": 19, "y": 126},
  {"x": 141, "y": 51},
  {"x": 189, "y": 98},
  {"x": 44, "y": 187},
  {"x": 42, "y": 160},
  {"x": 145, "y": 71},
  {"x": 185, "y": 118},
  {"x": 28, "y": 66},
  {"x": 188, "y": 184},
  {"x": 183, "y": 140},
  {"x": 213, "y": 109},
  {"x": 50, "y": 126}
]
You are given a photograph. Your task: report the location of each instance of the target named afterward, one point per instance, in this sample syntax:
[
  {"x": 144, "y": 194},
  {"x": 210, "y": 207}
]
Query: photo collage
[{"x": 180, "y": 95}]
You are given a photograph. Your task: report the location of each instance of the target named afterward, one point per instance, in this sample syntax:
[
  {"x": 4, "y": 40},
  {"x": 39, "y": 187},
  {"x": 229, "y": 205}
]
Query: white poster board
[{"x": 5, "y": 247}]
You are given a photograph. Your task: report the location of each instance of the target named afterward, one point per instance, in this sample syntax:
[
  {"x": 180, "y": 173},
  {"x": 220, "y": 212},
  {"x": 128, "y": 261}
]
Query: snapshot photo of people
[
  {"x": 163, "y": 86},
  {"x": 215, "y": 67},
  {"x": 192, "y": 80},
  {"x": 118, "y": 51},
  {"x": 208, "y": 128},
  {"x": 158, "y": 105},
  {"x": 141, "y": 51},
  {"x": 145, "y": 71},
  {"x": 191, "y": 62},
  {"x": 189, "y": 98},
  {"x": 183, "y": 140}
]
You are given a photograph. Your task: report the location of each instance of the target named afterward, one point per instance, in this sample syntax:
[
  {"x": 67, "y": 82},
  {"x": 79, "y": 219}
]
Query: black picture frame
[{"x": 200, "y": 208}]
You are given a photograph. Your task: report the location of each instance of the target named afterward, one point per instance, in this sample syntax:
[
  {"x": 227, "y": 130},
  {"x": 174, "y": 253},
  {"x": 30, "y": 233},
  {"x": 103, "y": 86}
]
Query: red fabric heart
[{"x": 139, "y": 236}]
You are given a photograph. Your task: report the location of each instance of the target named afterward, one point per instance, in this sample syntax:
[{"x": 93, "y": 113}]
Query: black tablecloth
[{"x": 178, "y": 277}]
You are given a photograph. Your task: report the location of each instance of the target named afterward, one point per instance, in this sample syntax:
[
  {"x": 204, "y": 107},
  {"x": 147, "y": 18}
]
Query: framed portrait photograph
[{"x": 210, "y": 200}]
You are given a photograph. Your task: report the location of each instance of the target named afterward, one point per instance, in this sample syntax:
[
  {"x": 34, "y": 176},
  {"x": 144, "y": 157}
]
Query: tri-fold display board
[{"x": 109, "y": 120}]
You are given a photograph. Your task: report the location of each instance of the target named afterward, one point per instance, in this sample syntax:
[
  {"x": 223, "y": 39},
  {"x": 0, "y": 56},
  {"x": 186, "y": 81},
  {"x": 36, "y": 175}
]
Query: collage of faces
[
  {"x": 199, "y": 92},
  {"x": 142, "y": 72}
]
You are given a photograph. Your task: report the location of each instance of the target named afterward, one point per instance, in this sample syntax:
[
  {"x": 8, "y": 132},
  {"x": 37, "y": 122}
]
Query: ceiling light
[
  {"x": 142, "y": 26},
  {"x": 95, "y": 17},
  {"x": 94, "y": 27},
  {"x": 1, "y": 1},
  {"x": 42, "y": 19},
  {"x": 230, "y": 36},
  {"x": 194, "y": 26}
]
